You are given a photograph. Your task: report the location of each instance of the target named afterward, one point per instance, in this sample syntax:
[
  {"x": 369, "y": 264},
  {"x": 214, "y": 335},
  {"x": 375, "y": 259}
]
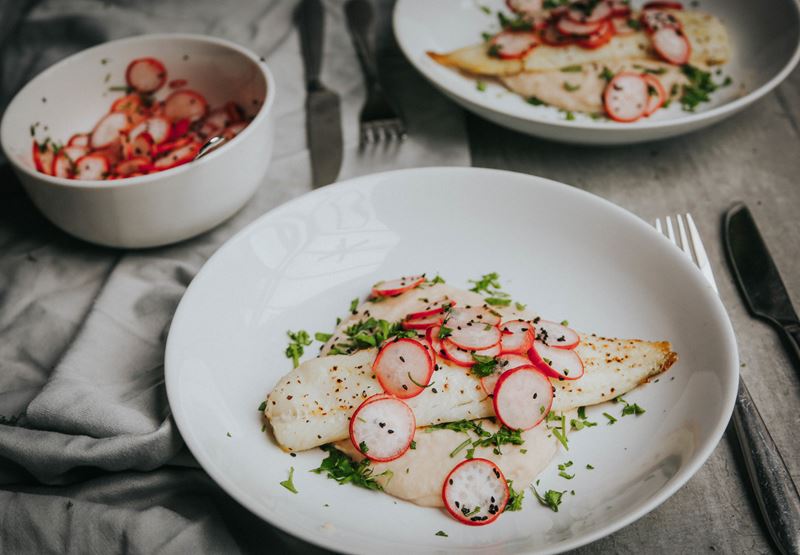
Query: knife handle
[
  {"x": 772, "y": 484},
  {"x": 791, "y": 339},
  {"x": 310, "y": 21},
  {"x": 359, "y": 22}
]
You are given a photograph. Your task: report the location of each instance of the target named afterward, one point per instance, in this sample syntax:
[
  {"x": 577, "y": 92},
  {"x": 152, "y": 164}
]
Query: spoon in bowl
[{"x": 211, "y": 145}]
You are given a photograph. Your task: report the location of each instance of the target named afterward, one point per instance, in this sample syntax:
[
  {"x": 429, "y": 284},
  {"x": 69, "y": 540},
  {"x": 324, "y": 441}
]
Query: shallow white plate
[
  {"x": 765, "y": 37},
  {"x": 567, "y": 253}
]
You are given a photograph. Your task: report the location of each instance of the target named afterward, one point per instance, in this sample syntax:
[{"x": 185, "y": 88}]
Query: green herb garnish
[
  {"x": 322, "y": 337},
  {"x": 344, "y": 470},
  {"x": 569, "y": 87},
  {"x": 572, "y": 69},
  {"x": 551, "y": 498},
  {"x": 481, "y": 86},
  {"x": 354, "y": 306},
  {"x": 611, "y": 419},
  {"x": 514, "y": 498},
  {"x": 607, "y": 74},
  {"x": 288, "y": 483},
  {"x": 442, "y": 533},
  {"x": 262, "y": 406},
  {"x": 298, "y": 340},
  {"x": 363, "y": 447},
  {"x": 484, "y": 365},
  {"x": 535, "y": 101}
]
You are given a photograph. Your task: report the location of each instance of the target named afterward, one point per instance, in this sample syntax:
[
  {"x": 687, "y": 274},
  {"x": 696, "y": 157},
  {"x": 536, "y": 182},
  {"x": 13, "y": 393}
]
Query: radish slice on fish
[
  {"x": 403, "y": 367},
  {"x": 475, "y": 336},
  {"x": 526, "y": 7},
  {"x": 620, "y": 7},
  {"x": 435, "y": 308},
  {"x": 522, "y": 397},
  {"x": 570, "y": 27},
  {"x": 517, "y": 336},
  {"x": 92, "y": 167},
  {"x": 672, "y": 45},
  {"x": 655, "y": 20},
  {"x": 475, "y": 492},
  {"x": 422, "y": 323},
  {"x": 563, "y": 364},
  {"x": 512, "y": 45},
  {"x": 553, "y": 37},
  {"x": 432, "y": 337},
  {"x": 382, "y": 428},
  {"x": 108, "y": 129},
  {"x": 625, "y": 98},
  {"x": 657, "y": 95},
  {"x": 185, "y": 104},
  {"x": 146, "y": 75},
  {"x": 600, "y": 37},
  {"x": 462, "y": 316},
  {"x": 396, "y": 286},
  {"x": 589, "y": 12},
  {"x": 64, "y": 163},
  {"x": 463, "y": 357},
  {"x": 556, "y": 335},
  {"x": 79, "y": 139},
  {"x": 504, "y": 364}
]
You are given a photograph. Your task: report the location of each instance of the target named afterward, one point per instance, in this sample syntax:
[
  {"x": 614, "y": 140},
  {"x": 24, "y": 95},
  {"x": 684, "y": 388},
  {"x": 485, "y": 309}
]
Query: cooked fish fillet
[
  {"x": 312, "y": 404},
  {"x": 706, "y": 34}
]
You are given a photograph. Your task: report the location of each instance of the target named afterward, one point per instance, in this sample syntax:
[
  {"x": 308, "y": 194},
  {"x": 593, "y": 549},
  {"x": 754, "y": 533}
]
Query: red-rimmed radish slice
[
  {"x": 662, "y": 6},
  {"x": 382, "y": 428},
  {"x": 432, "y": 337},
  {"x": 142, "y": 145},
  {"x": 434, "y": 308},
  {"x": 504, "y": 364},
  {"x": 622, "y": 26},
  {"x": 422, "y": 323},
  {"x": 522, "y": 397},
  {"x": 654, "y": 20},
  {"x": 620, "y": 7},
  {"x": 403, "y": 367},
  {"x": 235, "y": 112},
  {"x": 129, "y": 103},
  {"x": 158, "y": 127},
  {"x": 460, "y": 316},
  {"x": 526, "y": 7},
  {"x": 108, "y": 129},
  {"x": 517, "y": 336},
  {"x": 475, "y": 336},
  {"x": 179, "y": 129},
  {"x": 512, "y": 45},
  {"x": 92, "y": 167},
  {"x": 657, "y": 95},
  {"x": 79, "y": 139},
  {"x": 463, "y": 357},
  {"x": 233, "y": 129},
  {"x": 185, "y": 104},
  {"x": 589, "y": 12},
  {"x": 475, "y": 492},
  {"x": 625, "y": 98},
  {"x": 146, "y": 75},
  {"x": 64, "y": 163},
  {"x": 173, "y": 145},
  {"x": 43, "y": 155},
  {"x": 128, "y": 168},
  {"x": 567, "y": 26},
  {"x": 215, "y": 121},
  {"x": 178, "y": 156},
  {"x": 563, "y": 364},
  {"x": 672, "y": 45},
  {"x": 178, "y": 83},
  {"x": 556, "y": 335},
  {"x": 553, "y": 37},
  {"x": 597, "y": 39},
  {"x": 397, "y": 286}
]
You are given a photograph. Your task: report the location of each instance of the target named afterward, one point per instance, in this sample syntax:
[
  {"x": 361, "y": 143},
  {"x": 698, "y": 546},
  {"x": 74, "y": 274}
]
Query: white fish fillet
[{"x": 311, "y": 405}]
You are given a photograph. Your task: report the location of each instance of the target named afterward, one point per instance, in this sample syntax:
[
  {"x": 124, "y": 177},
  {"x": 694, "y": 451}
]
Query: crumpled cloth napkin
[{"x": 90, "y": 458}]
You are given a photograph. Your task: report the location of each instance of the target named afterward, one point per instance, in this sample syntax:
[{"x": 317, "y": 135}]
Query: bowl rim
[
  {"x": 142, "y": 180},
  {"x": 707, "y": 116}
]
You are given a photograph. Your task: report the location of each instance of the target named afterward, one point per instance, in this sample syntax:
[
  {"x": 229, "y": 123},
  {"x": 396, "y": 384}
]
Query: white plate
[
  {"x": 765, "y": 38},
  {"x": 566, "y": 252}
]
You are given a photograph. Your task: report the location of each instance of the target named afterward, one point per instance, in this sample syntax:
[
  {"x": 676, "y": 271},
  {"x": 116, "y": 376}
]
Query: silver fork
[
  {"x": 379, "y": 120},
  {"x": 772, "y": 484}
]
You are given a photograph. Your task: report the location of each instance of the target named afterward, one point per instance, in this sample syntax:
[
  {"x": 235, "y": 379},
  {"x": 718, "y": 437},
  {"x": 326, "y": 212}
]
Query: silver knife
[
  {"x": 758, "y": 278},
  {"x": 323, "y": 116}
]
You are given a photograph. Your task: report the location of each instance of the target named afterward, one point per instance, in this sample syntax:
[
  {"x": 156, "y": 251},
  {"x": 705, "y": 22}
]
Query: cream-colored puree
[{"x": 419, "y": 474}]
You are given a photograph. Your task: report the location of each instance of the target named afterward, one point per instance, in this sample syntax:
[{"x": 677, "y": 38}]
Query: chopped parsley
[
  {"x": 363, "y": 447},
  {"x": 572, "y": 69},
  {"x": 514, "y": 498},
  {"x": 413, "y": 444},
  {"x": 262, "y": 406},
  {"x": 551, "y": 498},
  {"x": 344, "y": 470},
  {"x": 516, "y": 23},
  {"x": 634, "y": 408},
  {"x": 369, "y": 333},
  {"x": 437, "y": 279},
  {"x": 568, "y": 115},
  {"x": 288, "y": 483},
  {"x": 607, "y": 74},
  {"x": 502, "y": 436},
  {"x": 484, "y": 365},
  {"x": 520, "y": 306},
  {"x": 322, "y": 337},
  {"x": 563, "y": 470},
  {"x": 354, "y": 306},
  {"x": 535, "y": 101},
  {"x": 565, "y": 322},
  {"x": 581, "y": 424},
  {"x": 569, "y": 87},
  {"x": 445, "y": 332},
  {"x": 589, "y": 467},
  {"x": 416, "y": 383},
  {"x": 634, "y": 24},
  {"x": 611, "y": 419},
  {"x": 298, "y": 340},
  {"x": 496, "y": 301},
  {"x": 481, "y": 86},
  {"x": 442, "y": 533},
  {"x": 486, "y": 36},
  {"x": 485, "y": 9},
  {"x": 699, "y": 88}
]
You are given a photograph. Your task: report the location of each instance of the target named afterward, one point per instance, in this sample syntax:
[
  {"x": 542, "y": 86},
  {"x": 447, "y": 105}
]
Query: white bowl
[
  {"x": 159, "y": 208},
  {"x": 765, "y": 40}
]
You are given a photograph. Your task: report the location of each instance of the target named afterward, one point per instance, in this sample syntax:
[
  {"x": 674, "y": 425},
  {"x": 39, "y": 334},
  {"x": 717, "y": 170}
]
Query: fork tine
[
  {"x": 684, "y": 241},
  {"x": 700, "y": 252},
  {"x": 658, "y": 226},
  {"x": 671, "y": 231}
]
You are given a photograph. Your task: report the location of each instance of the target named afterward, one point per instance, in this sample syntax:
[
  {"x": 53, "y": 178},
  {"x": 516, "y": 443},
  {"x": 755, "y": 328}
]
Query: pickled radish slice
[
  {"x": 403, "y": 367},
  {"x": 108, "y": 129},
  {"x": 396, "y": 286},
  {"x": 185, "y": 104},
  {"x": 158, "y": 127},
  {"x": 563, "y": 364},
  {"x": 522, "y": 397},
  {"x": 382, "y": 428},
  {"x": 475, "y": 492},
  {"x": 178, "y": 156},
  {"x": 504, "y": 364},
  {"x": 146, "y": 75},
  {"x": 434, "y": 308},
  {"x": 92, "y": 167},
  {"x": 556, "y": 335},
  {"x": 64, "y": 164}
]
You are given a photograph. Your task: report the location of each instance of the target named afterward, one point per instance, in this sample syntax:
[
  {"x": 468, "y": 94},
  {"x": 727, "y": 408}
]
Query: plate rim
[
  {"x": 650, "y": 504},
  {"x": 694, "y": 118}
]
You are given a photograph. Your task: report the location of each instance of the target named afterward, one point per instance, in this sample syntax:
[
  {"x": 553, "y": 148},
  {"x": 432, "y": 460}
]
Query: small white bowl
[{"x": 159, "y": 208}]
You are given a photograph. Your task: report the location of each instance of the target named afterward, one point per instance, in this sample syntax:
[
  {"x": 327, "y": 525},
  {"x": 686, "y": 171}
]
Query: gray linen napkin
[{"x": 89, "y": 453}]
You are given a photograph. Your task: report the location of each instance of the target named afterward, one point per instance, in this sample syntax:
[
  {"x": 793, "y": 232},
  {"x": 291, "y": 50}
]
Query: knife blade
[
  {"x": 758, "y": 278},
  {"x": 323, "y": 111}
]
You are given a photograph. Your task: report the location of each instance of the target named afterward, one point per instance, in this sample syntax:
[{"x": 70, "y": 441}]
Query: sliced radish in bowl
[
  {"x": 92, "y": 167},
  {"x": 563, "y": 364},
  {"x": 556, "y": 335},
  {"x": 625, "y": 98},
  {"x": 475, "y": 492},
  {"x": 108, "y": 129},
  {"x": 403, "y": 367},
  {"x": 522, "y": 397},
  {"x": 672, "y": 45},
  {"x": 146, "y": 75},
  {"x": 185, "y": 104},
  {"x": 504, "y": 364},
  {"x": 382, "y": 428},
  {"x": 396, "y": 286}
]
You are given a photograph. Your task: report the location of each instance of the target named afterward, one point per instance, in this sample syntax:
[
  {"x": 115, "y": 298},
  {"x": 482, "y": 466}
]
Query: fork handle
[
  {"x": 772, "y": 484},
  {"x": 359, "y": 22},
  {"x": 791, "y": 339},
  {"x": 311, "y": 24}
]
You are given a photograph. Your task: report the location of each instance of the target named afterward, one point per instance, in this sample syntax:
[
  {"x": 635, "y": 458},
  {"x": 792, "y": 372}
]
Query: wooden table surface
[{"x": 753, "y": 157}]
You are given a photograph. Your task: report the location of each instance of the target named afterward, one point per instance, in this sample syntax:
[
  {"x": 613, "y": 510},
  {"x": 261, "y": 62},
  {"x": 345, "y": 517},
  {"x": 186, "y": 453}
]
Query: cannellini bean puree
[{"x": 418, "y": 475}]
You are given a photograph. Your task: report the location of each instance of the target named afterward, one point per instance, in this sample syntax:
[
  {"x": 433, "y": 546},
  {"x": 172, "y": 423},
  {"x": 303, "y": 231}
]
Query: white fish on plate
[{"x": 311, "y": 405}]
